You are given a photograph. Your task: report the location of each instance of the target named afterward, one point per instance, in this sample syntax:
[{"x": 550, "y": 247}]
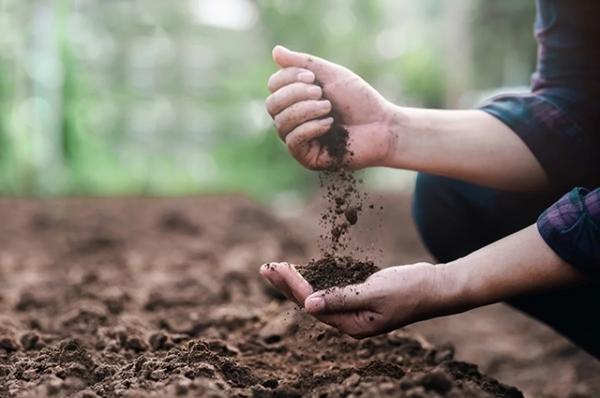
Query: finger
[
  {"x": 290, "y": 75},
  {"x": 299, "y": 287},
  {"x": 339, "y": 299},
  {"x": 291, "y": 94},
  {"x": 298, "y": 113},
  {"x": 286, "y": 278},
  {"x": 306, "y": 132},
  {"x": 268, "y": 271},
  {"x": 287, "y": 58}
]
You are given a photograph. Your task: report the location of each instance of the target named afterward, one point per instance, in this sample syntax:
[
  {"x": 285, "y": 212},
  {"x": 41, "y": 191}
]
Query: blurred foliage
[{"x": 160, "y": 98}]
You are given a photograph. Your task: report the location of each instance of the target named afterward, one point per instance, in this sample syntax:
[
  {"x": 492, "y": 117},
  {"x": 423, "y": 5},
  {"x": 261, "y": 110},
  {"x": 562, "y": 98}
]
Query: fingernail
[
  {"x": 327, "y": 121},
  {"x": 315, "y": 304},
  {"x": 306, "y": 77},
  {"x": 326, "y": 104},
  {"x": 314, "y": 91}
]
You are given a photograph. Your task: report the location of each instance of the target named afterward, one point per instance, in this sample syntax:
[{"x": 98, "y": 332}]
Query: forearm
[
  {"x": 519, "y": 264},
  {"x": 470, "y": 145}
]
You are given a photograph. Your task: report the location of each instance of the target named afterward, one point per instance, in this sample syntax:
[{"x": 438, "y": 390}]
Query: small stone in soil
[{"x": 351, "y": 215}]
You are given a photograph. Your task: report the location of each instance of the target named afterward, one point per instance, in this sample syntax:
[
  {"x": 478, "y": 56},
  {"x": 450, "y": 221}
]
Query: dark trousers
[{"x": 455, "y": 218}]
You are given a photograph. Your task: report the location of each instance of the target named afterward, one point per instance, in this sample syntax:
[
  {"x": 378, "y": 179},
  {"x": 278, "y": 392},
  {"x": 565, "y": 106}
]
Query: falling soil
[
  {"x": 336, "y": 271},
  {"x": 112, "y": 298},
  {"x": 344, "y": 204}
]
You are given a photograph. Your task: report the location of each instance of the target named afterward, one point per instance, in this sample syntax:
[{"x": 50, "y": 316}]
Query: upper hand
[
  {"x": 304, "y": 92},
  {"x": 388, "y": 299}
]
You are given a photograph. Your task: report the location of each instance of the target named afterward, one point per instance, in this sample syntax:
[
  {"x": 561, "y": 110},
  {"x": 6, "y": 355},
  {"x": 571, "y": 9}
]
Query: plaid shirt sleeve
[
  {"x": 571, "y": 227},
  {"x": 553, "y": 133}
]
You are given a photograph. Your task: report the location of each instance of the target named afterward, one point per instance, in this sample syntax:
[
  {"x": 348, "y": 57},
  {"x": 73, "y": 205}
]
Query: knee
[
  {"x": 428, "y": 218},
  {"x": 440, "y": 213}
]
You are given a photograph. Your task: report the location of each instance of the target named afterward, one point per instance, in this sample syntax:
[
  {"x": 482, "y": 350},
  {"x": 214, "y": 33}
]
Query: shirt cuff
[{"x": 571, "y": 227}]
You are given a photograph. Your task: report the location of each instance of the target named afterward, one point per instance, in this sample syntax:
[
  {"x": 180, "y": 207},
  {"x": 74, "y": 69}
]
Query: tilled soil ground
[{"x": 161, "y": 297}]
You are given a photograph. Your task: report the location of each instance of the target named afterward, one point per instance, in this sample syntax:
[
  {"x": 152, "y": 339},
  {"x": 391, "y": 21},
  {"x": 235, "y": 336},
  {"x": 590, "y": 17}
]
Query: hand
[
  {"x": 387, "y": 300},
  {"x": 305, "y": 91}
]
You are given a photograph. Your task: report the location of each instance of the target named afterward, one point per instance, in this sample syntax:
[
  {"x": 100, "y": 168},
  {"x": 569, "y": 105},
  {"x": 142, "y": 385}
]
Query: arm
[
  {"x": 469, "y": 145},
  {"x": 394, "y": 297},
  {"x": 562, "y": 250},
  {"x": 519, "y": 264}
]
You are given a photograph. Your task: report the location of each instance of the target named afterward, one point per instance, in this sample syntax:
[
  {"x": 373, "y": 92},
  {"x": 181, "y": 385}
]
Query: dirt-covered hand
[
  {"x": 387, "y": 300},
  {"x": 307, "y": 91}
]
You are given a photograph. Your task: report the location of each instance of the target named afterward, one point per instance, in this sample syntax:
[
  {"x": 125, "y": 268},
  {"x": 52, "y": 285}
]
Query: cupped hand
[
  {"x": 387, "y": 300},
  {"x": 307, "y": 91}
]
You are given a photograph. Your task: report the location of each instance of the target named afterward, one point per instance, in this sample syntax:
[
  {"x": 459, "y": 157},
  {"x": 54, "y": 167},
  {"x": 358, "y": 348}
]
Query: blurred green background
[{"x": 158, "y": 97}]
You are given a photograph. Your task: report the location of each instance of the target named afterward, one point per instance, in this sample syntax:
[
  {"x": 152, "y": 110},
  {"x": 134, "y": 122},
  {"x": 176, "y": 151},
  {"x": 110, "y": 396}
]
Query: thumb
[
  {"x": 286, "y": 58},
  {"x": 339, "y": 299}
]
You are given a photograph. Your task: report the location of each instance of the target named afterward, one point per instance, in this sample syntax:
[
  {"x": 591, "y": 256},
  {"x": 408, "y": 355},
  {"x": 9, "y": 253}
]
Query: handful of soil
[{"x": 332, "y": 271}]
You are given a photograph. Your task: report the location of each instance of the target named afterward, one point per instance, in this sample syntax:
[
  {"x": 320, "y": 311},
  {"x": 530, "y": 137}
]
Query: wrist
[
  {"x": 452, "y": 289},
  {"x": 397, "y": 126}
]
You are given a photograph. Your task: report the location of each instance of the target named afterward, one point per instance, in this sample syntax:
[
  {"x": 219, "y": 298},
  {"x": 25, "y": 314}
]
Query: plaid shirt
[
  {"x": 571, "y": 227},
  {"x": 559, "y": 121}
]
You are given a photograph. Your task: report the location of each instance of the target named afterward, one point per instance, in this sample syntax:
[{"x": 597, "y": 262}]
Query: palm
[{"x": 380, "y": 307}]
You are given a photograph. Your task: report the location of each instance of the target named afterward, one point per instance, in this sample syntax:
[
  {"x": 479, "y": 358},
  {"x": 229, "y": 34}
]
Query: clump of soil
[
  {"x": 332, "y": 271},
  {"x": 335, "y": 142}
]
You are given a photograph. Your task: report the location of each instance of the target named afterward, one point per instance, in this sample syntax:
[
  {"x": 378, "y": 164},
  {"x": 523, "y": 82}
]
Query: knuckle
[
  {"x": 291, "y": 142},
  {"x": 279, "y": 123},
  {"x": 269, "y": 105},
  {"x": 271, "y": 82},
  {"x": 315, "y": 92}
]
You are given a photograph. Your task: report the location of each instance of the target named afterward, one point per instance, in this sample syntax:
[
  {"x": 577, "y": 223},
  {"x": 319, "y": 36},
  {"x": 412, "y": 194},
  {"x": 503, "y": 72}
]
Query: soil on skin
[
  {"x": 162, "y": 298},
  {"x": 336, "y": 271}
]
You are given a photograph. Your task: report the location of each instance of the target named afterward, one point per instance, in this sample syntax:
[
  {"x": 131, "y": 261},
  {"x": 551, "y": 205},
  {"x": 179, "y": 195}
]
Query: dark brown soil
[
  {"x": 340, "y": 188},
  {"x": 338, "y": 265},
  {"x": 335, "y": 142},
  {"x": 109, "y": 298},
  {"x": 336, "y": 272}
]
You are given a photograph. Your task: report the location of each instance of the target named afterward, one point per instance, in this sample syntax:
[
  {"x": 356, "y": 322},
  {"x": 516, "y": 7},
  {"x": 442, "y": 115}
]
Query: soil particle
[
  {"x": 31, "y": 341},
  {"x": 158, "y": 341},
  {"x": 333, "y": 271},
  {"x": 463, "y": 370},
  {"x": 438, "y": 381},
  {"x": 236, "y": 375},
  {"x": 379, "y": 368},
  {"x": 351, "y": 215},
  {"x": 174, "y": 221},
  {"x": 9, "y": 344},
  {"x": 96, "y": 243}
]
